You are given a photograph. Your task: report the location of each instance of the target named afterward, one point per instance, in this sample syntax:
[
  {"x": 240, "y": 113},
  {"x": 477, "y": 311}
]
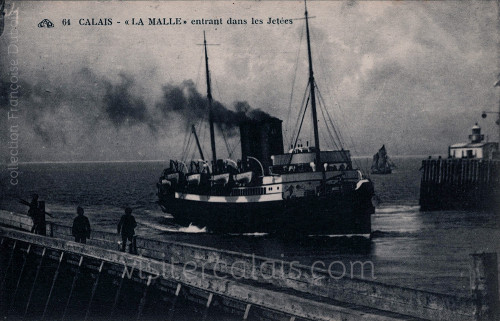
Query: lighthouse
[
  {"x": 475, "y": 148},
  {"x": 476, "y": 136}
]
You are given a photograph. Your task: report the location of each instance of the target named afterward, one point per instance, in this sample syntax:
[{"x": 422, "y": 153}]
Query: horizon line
[{"x": 163, "y": 160}]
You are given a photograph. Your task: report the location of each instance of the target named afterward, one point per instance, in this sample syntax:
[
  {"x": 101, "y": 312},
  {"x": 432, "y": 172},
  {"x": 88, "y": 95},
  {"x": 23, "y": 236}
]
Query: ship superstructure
[{"x": 305, "y": 190}]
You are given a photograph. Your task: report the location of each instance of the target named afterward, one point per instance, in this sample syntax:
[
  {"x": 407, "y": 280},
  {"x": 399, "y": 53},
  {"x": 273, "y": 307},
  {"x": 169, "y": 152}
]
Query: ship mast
[
  {"x": 197, "y": 142},
  {"x": 210, "y": 111},
  {"x": 313, "y": 96}
]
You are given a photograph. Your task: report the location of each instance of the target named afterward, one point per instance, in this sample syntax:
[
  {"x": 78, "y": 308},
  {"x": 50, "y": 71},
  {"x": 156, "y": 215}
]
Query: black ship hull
[{"x": 341, "y": 214}]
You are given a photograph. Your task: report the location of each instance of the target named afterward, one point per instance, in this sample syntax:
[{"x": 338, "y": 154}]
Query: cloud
[{"x": 412, "y": 74}]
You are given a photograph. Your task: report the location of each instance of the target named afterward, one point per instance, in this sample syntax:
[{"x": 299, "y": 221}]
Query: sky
[{"x": 413, "y": 75}]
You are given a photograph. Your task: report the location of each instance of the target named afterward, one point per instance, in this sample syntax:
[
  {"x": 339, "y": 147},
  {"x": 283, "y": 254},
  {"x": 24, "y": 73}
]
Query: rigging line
[
  {"x": 359, "y": 164},
  {"x": 301, "y": 122},
  {"x": 323, "y": 110},
  {"x": 343, "y": 119},
  {"x": 185, "y": 155},
  {"x": 320, "y": 58},
  {"x": 220, "y": 127},
  {"x": 323, "y": 75},
  {"x": 322, "y": 103},
  {"x": 186, "y": 150},
  {"x": 235, "y": 145},
  {"x": 322, "y": 107},
  {"x": 225, "y": 141},
  {"x": 325, "y": 138},
  {"x": 194, "y": 148},
  {"x": 338, "y": 132},
  {"x": 298, "y": 133},
  {"x": 197, "y": 142},
  {"x": 203, "y": 129},
  {"x": 337, "y": 135},
  {"x": 184, "y": 143},
  {"x": 191, "y": 146},
  {"x": 293, "y": 84},
  {"x": 306, "y": 92}
]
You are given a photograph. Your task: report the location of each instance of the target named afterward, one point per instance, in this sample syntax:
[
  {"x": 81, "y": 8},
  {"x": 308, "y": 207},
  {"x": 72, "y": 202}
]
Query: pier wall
[
  {"x": 250, "y": 279},
  {"x": 460, "y": 184}
]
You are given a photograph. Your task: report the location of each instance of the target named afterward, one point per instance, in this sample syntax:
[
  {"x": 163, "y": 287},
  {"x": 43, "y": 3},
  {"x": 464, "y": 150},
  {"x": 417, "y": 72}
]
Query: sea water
[{"x": 424, "y": 250}]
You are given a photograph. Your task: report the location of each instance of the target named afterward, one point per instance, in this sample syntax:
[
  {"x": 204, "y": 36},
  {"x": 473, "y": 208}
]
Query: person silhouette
[
  {"x": 81, "y": 227},
  {"x": 34, "y": 213},
  {"x": 126, "y": 228}
]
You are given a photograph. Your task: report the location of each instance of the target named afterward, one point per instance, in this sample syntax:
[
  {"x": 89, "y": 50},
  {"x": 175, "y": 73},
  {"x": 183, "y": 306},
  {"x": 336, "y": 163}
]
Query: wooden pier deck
[
  {"x": 460, "y": 184},
  {"x": 242, "y": 285}
]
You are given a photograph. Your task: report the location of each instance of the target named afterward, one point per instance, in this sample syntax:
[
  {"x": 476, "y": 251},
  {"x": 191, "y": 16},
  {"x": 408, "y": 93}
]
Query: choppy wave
[
  {"x": 157, "y": 213},
  {"x": 347, "y": 236},
  {"x": 382, "y": 234},
  {"x": 397, "y": 209},
  {"x": 158, "y": 227},
  {"x": 172, "y": 228},
  {"x": 257, "y": 234}
]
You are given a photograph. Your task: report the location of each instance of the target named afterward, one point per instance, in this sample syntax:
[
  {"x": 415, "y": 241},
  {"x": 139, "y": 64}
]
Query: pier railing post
[
  {"x": 75, "y": 279},
  {"x": 171, "y": 310},
  {"x": 94, "y": 288},
  {"x": 207, "y": 306},
  {"x": 142, "y": 303},
  {"x": 13, "y": 297},
  {"x": 118, "y": 291},
  {"x": 484, "y": 285},
  {"x": 34, "y": 282},
  {"x": 247, "y": 311},
  {"x": 52, "y": 286},
  {"x": 4, "y": 278}
]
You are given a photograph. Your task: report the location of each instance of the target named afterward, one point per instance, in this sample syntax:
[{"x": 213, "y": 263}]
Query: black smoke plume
[
  {"x": 62, "y": 113},
  {"x": 123, "y": 107},
  {"x": 186, "y": 101}
]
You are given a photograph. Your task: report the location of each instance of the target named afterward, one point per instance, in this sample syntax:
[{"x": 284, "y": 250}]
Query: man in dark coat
[
  {"x": 126, "y": 228},
  {"x": 34, "y": 213},
  {"x": 81, "y": 227},
  {"x": 37, "y": 213}
]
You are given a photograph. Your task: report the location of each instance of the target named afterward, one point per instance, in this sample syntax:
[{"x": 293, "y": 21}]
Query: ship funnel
[{"x": 261, "y": 139}]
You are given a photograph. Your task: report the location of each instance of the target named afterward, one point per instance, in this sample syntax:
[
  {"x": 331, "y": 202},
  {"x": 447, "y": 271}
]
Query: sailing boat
[
  {"x": 382, "y": 164},
  {"x": 305, "y": 191}
]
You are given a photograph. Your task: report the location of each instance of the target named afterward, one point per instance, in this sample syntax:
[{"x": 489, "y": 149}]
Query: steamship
[{"x": 303, "y": 191}]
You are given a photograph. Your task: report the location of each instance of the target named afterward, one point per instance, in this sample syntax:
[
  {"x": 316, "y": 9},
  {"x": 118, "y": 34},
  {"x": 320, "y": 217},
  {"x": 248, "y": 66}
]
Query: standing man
[
  {"x": 36, "y": 214},
  {"x": 81, "y": 227},
  {"x": 126, "y": 227},
  {"x": 33, "y": 212}
]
